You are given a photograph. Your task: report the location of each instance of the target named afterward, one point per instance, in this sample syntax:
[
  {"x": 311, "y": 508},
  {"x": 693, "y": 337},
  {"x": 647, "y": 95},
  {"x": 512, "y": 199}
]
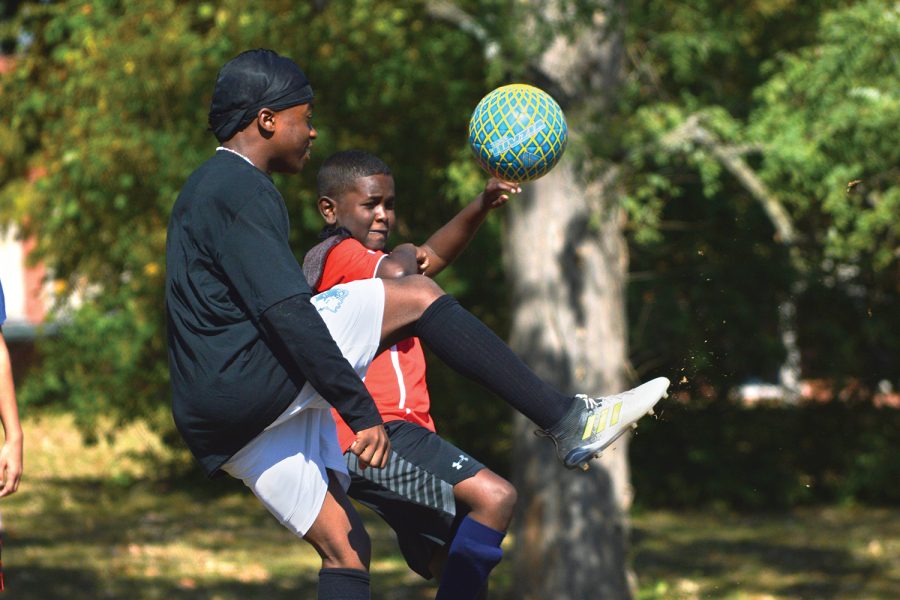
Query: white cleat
[{"x": 592, "y": 424}]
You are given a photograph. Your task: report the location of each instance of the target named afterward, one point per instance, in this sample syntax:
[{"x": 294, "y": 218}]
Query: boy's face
[{"x": 366, "y": 210}]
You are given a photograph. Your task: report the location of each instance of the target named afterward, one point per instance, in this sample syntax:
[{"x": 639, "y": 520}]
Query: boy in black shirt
[{"x": 256, "y": 361}]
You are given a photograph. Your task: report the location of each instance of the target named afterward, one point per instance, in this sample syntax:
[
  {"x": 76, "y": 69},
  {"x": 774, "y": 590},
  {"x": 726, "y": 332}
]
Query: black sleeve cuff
[{"x": 357, "y": 424}]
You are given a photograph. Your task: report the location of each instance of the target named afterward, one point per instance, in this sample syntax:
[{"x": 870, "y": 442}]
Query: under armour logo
[{"x": 458, "y": 464}]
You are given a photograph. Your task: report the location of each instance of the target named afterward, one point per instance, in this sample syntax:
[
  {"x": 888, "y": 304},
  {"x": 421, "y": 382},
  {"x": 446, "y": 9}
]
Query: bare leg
[
  {"x": 338, "y": 534},
  {"x": 490, "y": 498}
]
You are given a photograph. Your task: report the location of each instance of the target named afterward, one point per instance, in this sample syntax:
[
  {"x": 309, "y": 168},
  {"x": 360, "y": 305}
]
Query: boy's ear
[{"x": 328, "y": 209}]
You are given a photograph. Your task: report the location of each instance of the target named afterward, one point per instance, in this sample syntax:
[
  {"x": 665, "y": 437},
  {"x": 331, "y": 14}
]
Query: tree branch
[
  {"x": 693, "y": 132},
  {"x": 448, "y": 12},
  {"x": 444, "y": 10}
]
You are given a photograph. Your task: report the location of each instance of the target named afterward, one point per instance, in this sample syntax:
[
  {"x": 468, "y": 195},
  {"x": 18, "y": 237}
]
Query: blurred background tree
[{"x": 804, "y": 101}]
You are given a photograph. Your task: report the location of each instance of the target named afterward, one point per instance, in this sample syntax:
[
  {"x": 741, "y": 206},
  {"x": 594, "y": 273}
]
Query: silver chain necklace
[{"x": 235, "y": 152}]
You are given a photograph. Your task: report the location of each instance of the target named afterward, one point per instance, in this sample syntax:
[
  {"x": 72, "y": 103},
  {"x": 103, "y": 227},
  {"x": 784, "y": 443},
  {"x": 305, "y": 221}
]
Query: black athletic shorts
[{"x": 414, "y": 492}]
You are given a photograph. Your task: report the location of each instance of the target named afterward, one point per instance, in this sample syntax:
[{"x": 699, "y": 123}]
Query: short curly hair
[{"x": 340, "y": 170}]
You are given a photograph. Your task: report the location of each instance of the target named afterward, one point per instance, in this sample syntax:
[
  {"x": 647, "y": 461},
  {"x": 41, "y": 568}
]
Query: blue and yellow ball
[{"x": 518, "y": 132}]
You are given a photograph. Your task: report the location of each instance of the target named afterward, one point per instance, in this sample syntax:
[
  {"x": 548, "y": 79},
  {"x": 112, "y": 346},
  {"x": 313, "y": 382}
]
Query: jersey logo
[
  {"x": 458, "y": 464},
  {"x": 330, "y": 300}
]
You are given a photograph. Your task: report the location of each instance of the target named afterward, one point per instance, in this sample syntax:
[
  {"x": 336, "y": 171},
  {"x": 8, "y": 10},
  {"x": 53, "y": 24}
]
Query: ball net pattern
[{"x": 518, "y": 132}]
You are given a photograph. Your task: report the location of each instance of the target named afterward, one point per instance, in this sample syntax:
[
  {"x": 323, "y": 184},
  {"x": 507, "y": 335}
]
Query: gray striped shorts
[{"x": 414, "y": 492}]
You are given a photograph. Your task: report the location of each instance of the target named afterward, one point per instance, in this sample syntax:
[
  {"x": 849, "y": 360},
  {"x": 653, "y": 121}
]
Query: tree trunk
[
  {"x": 568, "y": 271},
  {"x": 567, "y": 262}
]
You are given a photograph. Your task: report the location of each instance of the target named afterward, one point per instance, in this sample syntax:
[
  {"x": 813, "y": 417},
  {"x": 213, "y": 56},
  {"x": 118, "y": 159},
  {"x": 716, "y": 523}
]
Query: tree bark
[{"x": 567, "y": 260}]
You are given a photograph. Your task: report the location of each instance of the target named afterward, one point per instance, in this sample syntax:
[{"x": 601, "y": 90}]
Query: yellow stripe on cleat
[
  {"x": 615, "y": 416},
  {"x": 601, "y": 424},
  {"x": 588, "y": 427}
]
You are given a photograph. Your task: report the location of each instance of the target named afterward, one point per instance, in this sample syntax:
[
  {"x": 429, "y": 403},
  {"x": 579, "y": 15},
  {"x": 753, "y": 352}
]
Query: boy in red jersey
[
  {"x": 426, "y": 477},
  {"x": 450, "y": 513}
]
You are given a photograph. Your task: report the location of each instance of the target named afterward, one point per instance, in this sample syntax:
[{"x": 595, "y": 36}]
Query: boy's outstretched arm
[{"x": 448, "y": 242}]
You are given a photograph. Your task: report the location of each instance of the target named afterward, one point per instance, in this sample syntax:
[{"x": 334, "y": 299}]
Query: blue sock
[
  {"x": 474, "y": 551},
  {"x": 343, "y": 584}
]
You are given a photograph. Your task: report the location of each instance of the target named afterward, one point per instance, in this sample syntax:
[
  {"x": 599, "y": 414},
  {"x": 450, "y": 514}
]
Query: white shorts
[{"x": 286, "y": 465}]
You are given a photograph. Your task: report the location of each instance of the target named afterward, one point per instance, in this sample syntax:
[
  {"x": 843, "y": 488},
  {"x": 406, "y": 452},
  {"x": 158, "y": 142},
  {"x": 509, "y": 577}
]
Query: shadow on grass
[
  {"x": 36, "y": 583},
  {"x": 184, "y": 538},
  {"x": 104, "y": 511},
  {"x": 713, "y": 556},
  {"x": 813, "y": 572}
]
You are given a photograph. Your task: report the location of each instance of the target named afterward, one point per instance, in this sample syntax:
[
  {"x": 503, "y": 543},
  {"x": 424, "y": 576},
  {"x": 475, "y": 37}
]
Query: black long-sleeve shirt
[{"x": 243, "y": 337}]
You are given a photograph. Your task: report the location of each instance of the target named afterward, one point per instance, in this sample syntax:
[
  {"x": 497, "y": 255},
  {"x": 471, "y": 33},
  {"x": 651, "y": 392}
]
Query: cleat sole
[{"x": 578, "y": 457}]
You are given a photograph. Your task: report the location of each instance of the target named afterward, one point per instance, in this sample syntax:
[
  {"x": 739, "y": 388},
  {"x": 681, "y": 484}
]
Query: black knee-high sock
[
  {"x": 468, "y": 347},
  {"x": 343, "y": 584}
]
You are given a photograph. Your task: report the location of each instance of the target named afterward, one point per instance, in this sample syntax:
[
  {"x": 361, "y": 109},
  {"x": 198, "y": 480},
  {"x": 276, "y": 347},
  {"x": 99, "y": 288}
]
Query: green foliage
[
  {"x": 768, "y": 457},
  {"x": 105, "y": 361},
  {"x": 710, "y": 52},
  {"x": 807, "y": 103},
  {"x": 102, "y": 107},
  {"x": 827, "y": 116}
]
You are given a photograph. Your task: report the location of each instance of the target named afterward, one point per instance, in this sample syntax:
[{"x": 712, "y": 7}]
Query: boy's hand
[
  {"x": 496, "y": 192},
  {"x": 372, "y": 446},
  {"x": 422, "y": 259},
  {"x": 10, "y": 468}
]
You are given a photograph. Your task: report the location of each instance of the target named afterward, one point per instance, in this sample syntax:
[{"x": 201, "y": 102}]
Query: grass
[
  {"x": 100, "y": 522},
  {"x": 830, "y": 552}
]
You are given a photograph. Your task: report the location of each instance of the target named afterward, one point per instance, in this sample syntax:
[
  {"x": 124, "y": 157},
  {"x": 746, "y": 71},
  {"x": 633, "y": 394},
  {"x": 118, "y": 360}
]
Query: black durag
[{"x": 253, "y": 80}]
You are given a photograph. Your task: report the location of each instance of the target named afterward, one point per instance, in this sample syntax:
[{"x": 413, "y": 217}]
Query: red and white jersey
[{"x": 396, "y": 378}]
